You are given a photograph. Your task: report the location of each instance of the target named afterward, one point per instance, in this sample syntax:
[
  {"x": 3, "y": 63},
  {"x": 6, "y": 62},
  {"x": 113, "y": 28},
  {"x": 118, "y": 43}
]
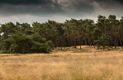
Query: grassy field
[{"x": 85, "y": 64}]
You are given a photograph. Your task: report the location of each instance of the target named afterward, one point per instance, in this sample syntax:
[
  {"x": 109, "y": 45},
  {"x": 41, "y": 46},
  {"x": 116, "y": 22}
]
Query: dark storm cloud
[
  {"x": 28, "y": 6},
  {"x": 21, "y": 2},
  {"x": 66, "y": 8},
  {"x": 111, "y": 4},
  {"x": 121, "y": 1},
  {"x": 110, "y": 1},
  {"x": 44, "y": 6},
  {"x": 49, "y": 6}
]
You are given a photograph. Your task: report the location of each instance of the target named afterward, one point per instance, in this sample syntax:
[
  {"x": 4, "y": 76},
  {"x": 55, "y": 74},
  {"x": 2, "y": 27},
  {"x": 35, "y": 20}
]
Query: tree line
[{"x": 106, "y": 33}]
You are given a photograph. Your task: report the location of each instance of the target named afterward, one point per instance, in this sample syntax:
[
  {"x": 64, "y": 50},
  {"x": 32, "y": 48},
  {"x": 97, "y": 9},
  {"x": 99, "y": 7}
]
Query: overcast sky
[{"x": 58, "y": 10}]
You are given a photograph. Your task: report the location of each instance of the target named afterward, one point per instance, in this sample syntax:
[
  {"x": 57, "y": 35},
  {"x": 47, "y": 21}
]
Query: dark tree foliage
[
  {"x": 21, "y": 38},
  {"x": 44, "y": 37}
]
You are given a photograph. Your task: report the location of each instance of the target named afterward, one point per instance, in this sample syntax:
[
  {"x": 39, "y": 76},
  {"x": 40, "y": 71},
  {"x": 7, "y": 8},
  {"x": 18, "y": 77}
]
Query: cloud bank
[{"x": 40, "y": 9}]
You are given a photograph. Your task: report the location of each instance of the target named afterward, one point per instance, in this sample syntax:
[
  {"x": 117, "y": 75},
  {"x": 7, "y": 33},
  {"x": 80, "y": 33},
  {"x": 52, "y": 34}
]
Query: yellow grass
[{"x": 85, "y": 64}]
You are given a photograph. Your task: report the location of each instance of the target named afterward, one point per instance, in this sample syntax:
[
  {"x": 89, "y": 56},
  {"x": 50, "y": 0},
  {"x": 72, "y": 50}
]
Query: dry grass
[{"x": 86, "y": 64}]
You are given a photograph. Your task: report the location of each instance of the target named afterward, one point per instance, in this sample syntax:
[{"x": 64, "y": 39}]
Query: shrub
[{"x": 21, "y": 43}]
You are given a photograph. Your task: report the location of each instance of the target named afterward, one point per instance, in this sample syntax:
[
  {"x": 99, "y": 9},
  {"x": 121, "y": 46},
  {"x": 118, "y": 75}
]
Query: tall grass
[{"x": 63, "y": 66}]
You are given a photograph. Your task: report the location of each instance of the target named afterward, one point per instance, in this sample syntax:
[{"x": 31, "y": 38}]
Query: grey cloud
[
  {"x": 45, "y": 6},
  {"x": 23, "y": 2},
  {"x": 67, "y": 8}
]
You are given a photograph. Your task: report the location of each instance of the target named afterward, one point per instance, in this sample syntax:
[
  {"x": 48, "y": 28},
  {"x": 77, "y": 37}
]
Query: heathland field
[{"x": 74, "y": 64}]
